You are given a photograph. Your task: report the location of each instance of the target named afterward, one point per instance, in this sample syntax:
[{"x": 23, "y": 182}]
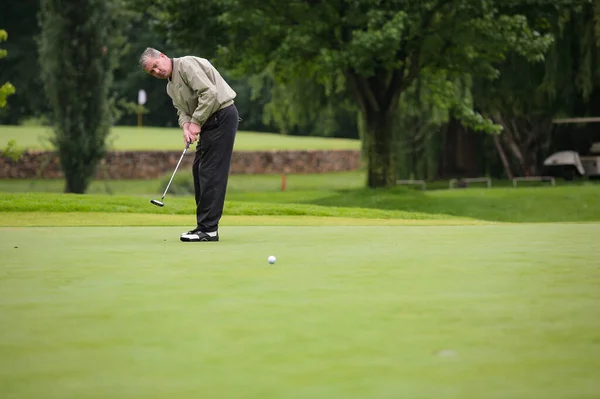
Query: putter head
[{"x": 157, "y": 202}]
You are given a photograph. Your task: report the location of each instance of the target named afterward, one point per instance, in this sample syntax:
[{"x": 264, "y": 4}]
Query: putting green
[{"x": 491, "y": 311}]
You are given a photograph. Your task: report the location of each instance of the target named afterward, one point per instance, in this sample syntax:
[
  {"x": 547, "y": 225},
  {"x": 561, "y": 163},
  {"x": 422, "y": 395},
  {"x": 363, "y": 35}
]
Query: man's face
[{"x": 159, "y": 67}]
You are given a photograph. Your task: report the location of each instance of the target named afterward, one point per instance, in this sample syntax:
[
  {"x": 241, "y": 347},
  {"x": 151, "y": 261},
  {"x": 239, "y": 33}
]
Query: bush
[{"x": 12, "y": 151}]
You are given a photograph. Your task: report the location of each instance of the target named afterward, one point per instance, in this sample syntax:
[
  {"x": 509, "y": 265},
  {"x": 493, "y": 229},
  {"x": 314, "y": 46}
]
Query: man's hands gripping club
[{"x": 190, "y": 132}]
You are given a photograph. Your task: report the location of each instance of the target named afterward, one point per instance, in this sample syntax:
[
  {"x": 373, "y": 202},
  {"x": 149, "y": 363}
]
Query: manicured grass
[
  {"x": 551, "y": 204},
  {"x": 120, "y": 187},
  {"x": 555, "y": 204},
  {"x": 375, "y": 294},
  {"x": 73, "y": 219},
  {"x": 36, "y": 202},
  {"x": 478, "y": 312},
  {"x": 153, "y": 138}
]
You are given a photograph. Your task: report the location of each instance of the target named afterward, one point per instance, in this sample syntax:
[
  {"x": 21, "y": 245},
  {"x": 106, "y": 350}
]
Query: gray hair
[{"x": 149, "y": 53}]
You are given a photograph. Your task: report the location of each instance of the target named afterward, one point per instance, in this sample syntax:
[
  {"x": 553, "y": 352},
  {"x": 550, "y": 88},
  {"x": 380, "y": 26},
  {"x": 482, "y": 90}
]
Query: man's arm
[
  {"x": 206, "y": 91},
  {"x": 183, "y": 117},
  {"x": 185, "y": 122}
]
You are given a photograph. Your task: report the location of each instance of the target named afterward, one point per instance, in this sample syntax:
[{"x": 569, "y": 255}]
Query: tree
[
  {"x": 76, "y": 66},
  {"x": 367, "y": 50},
  {"x": 7, "y": 88},
  {"x": 425, "y": 110},
  {"x": 302, "y": 107},
  {"x": 527, "y": 96}
]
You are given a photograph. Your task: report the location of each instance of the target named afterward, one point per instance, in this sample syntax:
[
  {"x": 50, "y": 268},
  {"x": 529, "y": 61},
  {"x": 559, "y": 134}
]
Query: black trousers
[{"x": 211, "y": 166}]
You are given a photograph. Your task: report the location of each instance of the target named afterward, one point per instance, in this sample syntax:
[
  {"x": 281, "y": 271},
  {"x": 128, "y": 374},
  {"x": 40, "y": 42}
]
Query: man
[{"x": 207, "y": 113}]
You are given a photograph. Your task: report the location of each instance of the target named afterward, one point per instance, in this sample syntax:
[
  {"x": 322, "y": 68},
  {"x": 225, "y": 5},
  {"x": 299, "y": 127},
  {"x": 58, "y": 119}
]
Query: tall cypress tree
[{"x": 76, "y": 68}]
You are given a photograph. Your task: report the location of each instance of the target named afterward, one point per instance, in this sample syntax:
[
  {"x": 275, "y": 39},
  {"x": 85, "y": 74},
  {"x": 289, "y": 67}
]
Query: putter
[{"x": 161, "y": 203}]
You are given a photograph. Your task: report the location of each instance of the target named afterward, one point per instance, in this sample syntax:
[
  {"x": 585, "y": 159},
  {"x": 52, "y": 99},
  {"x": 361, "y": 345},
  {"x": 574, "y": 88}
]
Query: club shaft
[{"x": 175, "y": 171}]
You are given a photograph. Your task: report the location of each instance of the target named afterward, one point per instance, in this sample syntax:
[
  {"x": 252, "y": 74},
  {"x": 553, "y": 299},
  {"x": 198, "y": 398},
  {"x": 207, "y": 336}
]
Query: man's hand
[
  {"x": 194, "y": 129},
  {"x": 190, "y": 132}
]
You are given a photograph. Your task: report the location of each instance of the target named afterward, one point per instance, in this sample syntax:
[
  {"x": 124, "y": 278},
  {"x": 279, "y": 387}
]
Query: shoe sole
[{"x": 183, "y": 239}]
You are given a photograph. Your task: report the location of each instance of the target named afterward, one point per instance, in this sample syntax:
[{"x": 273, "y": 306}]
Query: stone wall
[{"x": 154, "y": 164}]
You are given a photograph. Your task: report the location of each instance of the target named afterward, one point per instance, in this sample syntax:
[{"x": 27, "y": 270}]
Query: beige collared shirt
[{"x": 197, "y": 89}]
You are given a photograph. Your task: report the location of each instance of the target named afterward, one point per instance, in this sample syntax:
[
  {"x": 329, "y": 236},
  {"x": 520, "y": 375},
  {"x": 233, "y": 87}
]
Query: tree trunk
[
  {"x": 503, "y": 157},
  {"x": 515, "y": 150},
  {"x": 378, "y": 99},
  {"x": 379, "y": 149},
  {"x": 74, "y": 186},
  {"x": 509, "y": 138},
  {"x": 78, "y": 173},
  {"x": 540, "y": 130},
  {"x": 524, "y": 138}
]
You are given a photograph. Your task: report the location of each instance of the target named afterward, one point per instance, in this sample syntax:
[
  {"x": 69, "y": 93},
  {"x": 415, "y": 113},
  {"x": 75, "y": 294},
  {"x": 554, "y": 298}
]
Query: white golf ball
[{"x": 271, "y": 259}]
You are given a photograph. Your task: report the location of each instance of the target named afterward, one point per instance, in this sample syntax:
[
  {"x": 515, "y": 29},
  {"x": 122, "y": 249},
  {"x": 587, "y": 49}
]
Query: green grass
[
  {"x": 36, "y": 202},
  {"x": 237, "y": 183},
  {"x": 505, "y": 311},
  {"x": 153, "y": 138},
  {"x": 375, "y": 294},
  {"x": 553, "y": 204},
  {"x": 120, "y": 187},
  {"x": 75, "y": 219},
  {"x": 256, "y": 183}
]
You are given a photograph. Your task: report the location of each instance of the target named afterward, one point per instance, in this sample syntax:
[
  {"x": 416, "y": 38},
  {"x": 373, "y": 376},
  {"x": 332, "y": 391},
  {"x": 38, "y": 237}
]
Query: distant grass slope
[
  {"x": 153, "y": 138},
  {"x": 556, "y": 204},
  {"x": 38, "y": 202},
  {"x": 551, "y": 204}
]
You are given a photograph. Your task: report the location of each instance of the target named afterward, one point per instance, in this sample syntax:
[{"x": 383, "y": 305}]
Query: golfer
[{"x": 206, "y": 111}]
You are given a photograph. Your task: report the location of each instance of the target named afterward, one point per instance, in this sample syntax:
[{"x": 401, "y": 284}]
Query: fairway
[
  {"x": 464, "y": 312},
  {"x": 123, "y": 138}
]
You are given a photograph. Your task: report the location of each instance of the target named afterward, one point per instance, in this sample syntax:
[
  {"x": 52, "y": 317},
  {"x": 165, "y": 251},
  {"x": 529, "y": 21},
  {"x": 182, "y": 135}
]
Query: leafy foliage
[
  {"x": 12, "y": 151},
  {"x": 371, "y": 51},
  {"x": 6, "y": 89},
  {"x": 288, "y": 63},
  {"x": 77, "y": 61},
  {"x": 528, "y": 95}
]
